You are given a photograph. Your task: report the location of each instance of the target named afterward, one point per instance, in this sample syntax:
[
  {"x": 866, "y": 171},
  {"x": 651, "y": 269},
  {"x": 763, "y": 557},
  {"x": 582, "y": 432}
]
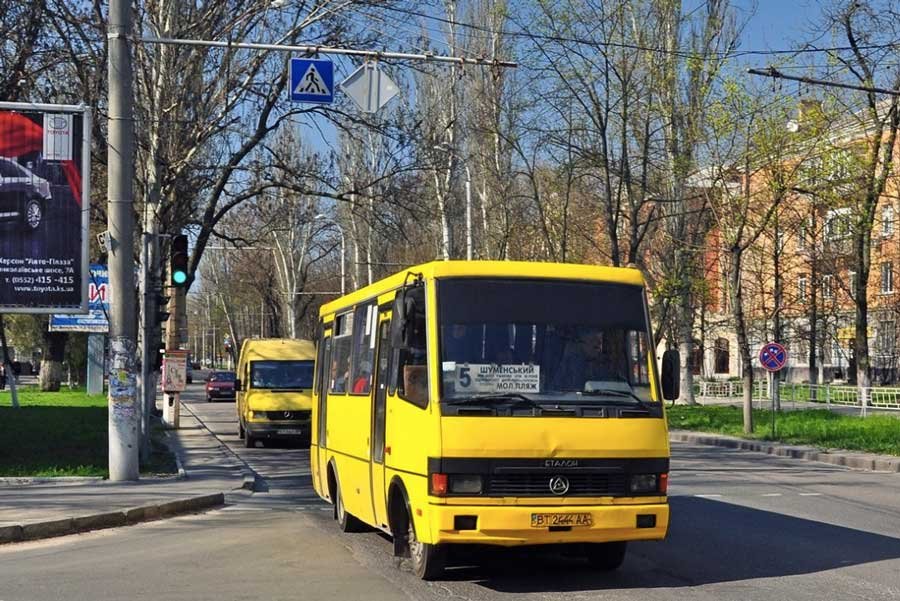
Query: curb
[
  {"x": 99, "y": 521},
  {"x": 859, "y": 461},
  {"x": 248, "y": 476},
  {"x": 28, "y": 480}
]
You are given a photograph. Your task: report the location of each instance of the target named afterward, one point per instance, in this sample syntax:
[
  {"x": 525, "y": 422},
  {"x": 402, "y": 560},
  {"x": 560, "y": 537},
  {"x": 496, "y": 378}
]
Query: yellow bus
[
  {"x": 273, "y": 389},
  {"x": 501, "y": 403}
]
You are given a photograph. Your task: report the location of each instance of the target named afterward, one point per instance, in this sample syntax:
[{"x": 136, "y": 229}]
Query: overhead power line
[
  {"x": 677, "y": 52},
  {"x": 776, "y": 74}
]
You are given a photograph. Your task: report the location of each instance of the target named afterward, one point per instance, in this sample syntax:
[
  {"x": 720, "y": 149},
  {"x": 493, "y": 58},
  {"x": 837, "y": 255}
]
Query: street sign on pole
[
  {"x": 312, "y": 80},
  {"x": 773, "y": 356},
  {"x": 369, "y": 87}
]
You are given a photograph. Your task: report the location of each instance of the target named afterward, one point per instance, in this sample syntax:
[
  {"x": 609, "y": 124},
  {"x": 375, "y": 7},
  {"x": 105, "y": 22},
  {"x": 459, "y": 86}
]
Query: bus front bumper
[
  {"x": 281, "y": 429},
  {"x": 511, "y": 525}
]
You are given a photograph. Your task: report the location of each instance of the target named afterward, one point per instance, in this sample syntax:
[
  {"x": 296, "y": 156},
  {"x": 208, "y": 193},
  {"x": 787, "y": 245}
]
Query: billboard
[
  {"x": 97, "y": 319},
  {"x": 44, "y": 208}
]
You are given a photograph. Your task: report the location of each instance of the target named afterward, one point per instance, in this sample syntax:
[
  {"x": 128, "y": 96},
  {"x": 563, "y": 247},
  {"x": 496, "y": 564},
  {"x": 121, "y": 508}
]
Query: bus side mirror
[
  {"x": 671, "y": 365},
  {"x": 237, "y": 384},
  {"x": 408, "y": 320}
]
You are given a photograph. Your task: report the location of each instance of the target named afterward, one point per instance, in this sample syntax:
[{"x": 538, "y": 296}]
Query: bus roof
[
  {"x": 261, "y": 349},
  {"x": 506, "y": 269}
]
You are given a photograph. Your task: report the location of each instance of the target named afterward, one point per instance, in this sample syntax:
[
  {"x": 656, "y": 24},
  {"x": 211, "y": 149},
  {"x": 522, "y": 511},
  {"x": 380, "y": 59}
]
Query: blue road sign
[
  {"x": 773, "y": 356},
  {"x": 98, "y": 307},
  {"x": 312, "y": 80}
]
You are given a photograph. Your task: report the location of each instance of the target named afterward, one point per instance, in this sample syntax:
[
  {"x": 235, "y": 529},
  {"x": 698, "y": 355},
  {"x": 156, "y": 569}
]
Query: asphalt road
[{"x": 744, "y": 527}]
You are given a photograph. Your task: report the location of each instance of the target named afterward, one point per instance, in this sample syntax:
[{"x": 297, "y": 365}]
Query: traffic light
[{"x": 178, "y": 261}]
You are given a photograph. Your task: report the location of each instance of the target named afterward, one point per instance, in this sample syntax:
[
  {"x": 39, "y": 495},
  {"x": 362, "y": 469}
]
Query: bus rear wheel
[
  {"x": 606, "y": 557},
  {"x": 428, "y": 561}
]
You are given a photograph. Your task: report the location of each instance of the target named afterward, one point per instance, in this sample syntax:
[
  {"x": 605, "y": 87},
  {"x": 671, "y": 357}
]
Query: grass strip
[
  {"x": 813, "y": 427},
  {"x": 63, "y": 433}
]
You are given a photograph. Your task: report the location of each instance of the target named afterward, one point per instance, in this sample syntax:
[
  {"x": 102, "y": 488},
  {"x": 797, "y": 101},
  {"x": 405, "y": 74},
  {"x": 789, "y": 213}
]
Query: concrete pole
[
  {"x": 124, "y": 408},
  {"x": 146, "y": 328},
  {"x": 343, "y": 259}
]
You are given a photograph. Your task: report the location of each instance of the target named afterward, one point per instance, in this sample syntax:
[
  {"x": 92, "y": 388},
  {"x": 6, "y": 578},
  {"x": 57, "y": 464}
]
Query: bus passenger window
[
  {"x": 365, "y": 321},
  {"x": 340, "y": 364}
]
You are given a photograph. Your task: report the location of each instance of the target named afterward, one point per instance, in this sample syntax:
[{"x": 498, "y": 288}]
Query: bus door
[
  {"x": 379, "y": 403},
  {"x": 324, "y": 375}
]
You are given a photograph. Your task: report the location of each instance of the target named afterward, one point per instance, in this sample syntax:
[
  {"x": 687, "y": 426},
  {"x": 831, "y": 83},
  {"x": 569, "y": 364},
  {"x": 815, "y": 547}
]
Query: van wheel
[
  {"x": 240, "y": 430},
  {"x": 606, "y": 556},
  {"x": 346, "y": 521},
  {"x": 249, "y": 441},
  {"x": 427, "y": 560}
]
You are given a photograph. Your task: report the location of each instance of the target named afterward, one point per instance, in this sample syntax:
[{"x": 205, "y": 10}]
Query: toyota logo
[{"x": 559, "y": 485}]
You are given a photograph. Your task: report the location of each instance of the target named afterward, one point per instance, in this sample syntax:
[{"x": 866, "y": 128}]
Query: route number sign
[{"x": 773, "y": 356}]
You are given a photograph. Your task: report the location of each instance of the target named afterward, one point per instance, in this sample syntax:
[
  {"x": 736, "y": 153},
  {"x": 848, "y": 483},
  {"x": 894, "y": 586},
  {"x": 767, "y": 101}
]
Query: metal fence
[{"x": 805, "y": 395}]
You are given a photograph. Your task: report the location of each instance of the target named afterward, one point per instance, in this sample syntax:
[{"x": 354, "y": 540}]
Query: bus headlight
[
  {"x": 644, "y": 483},
  {"x": 465, "y": 484}
]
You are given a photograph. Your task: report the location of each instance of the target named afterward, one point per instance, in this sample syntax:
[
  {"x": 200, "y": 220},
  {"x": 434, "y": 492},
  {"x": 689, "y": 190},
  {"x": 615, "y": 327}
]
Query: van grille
[
  {"x": 288, "y": 415},
  {"x": 538, "y": 485}
]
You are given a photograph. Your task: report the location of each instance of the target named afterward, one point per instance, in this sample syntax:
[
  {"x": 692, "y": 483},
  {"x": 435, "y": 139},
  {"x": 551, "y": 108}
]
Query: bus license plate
[
  {"x": 290, "y": 431},
  {"x": 546, "y": 520}
]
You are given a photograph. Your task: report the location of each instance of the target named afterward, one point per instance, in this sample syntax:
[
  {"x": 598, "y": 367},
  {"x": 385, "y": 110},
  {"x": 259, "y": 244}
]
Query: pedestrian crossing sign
[{"x": 312, "y": 80}]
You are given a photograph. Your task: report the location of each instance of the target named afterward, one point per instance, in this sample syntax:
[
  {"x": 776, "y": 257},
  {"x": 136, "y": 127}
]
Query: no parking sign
[{"x": 773, "y": 356}]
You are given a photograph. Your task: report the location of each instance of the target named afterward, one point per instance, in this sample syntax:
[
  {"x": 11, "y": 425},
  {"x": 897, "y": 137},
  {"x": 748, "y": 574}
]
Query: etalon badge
[{"x": 559, "y": 485}]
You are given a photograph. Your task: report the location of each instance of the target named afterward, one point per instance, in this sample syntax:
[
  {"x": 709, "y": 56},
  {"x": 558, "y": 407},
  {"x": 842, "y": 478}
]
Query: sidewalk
[{"x": 39, "y": 510}]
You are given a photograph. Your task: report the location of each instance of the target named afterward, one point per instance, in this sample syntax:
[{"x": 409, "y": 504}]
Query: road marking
[
  {"x": 810, "y": 494},
  {"x": 708, "y": 496},
  {"x": 239, "y": 508},
  {"x": 772, "y": 494}
]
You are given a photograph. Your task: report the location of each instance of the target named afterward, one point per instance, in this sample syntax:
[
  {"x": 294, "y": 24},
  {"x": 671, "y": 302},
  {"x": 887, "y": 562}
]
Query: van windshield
[
  {"x": 281, "y": 375},
  {"x": 543, "y": 340}
]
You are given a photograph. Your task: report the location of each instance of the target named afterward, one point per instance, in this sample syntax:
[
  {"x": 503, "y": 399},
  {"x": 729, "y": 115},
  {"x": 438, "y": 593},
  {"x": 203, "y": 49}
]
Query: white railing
[
  {"x": 874, "y": 397},
  {"x": 730, "y": 390}
]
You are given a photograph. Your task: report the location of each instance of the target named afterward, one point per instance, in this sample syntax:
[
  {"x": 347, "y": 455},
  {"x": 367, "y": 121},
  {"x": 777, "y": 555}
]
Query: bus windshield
[
  {"x": 281, "y": 375},
  {"x": 543, "y": 340}
]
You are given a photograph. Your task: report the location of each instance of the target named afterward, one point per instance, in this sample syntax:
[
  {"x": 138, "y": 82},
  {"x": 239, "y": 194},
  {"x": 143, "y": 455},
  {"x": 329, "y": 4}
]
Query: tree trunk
[
  {"x": 686, "y": 348},
  {"x": 51, "y": 365}
]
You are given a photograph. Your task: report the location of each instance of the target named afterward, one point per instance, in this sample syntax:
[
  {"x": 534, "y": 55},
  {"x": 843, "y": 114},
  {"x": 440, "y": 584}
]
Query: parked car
[
  {"x": 23, "y": 195},
  {"x": 220, "y": 385}
]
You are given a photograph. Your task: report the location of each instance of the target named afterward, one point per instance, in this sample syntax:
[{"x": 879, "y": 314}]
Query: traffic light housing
[
  {"x": 178, "y": 261},
  {"x": 162, "y": 303}
]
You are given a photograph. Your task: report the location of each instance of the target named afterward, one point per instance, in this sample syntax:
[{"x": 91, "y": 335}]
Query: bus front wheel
[
  {"x": 427, "y": 560},
  {"x": 606, "y": 556},
  {"x": 346, "y": 521}
]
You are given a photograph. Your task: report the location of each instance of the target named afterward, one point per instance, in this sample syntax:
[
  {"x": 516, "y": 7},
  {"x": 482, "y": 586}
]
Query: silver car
[{"x": 23, "y": 195}]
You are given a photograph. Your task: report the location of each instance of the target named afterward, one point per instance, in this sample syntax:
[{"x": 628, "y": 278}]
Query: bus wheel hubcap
[{"x": 416, "y": 549}]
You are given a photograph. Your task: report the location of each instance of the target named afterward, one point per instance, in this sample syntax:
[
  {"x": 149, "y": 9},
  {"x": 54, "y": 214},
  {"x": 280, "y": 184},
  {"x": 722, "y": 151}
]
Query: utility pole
[{"x": 124, "y": 408}]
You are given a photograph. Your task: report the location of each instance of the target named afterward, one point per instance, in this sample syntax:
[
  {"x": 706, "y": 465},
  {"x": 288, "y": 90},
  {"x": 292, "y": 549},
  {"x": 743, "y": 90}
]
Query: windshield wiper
[
  {"x": 493, "y": 398},
  {"x": 619, "y": 393}
]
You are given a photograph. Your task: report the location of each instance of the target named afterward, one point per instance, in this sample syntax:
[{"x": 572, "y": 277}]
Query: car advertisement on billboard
[{"x": 44, "y": 212}]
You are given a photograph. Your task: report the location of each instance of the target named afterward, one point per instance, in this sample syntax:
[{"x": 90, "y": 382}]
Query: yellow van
[
  {"x": 499, "y": 403},
  {"x": 274, "y": 389}
]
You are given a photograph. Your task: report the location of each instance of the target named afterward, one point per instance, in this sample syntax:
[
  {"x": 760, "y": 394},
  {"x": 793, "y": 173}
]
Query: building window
[
  {"x": 697, "y": 359},
  {"x": 886, "y": 338},
  {"x": 827, "y": 288},
  {"x": 801, "y": 288},
  {"x": 887, "y": 278},
  {"x": 722, "y": 358},
  {"x": 803, "y": 234},
  {"x": 887, "y": 221},
  {"x": 837, "y": 224}
]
